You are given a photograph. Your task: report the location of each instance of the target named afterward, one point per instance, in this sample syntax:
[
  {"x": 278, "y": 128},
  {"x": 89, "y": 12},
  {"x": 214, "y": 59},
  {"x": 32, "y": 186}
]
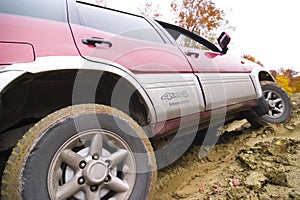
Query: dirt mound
[{"x": 244, "y": 164}]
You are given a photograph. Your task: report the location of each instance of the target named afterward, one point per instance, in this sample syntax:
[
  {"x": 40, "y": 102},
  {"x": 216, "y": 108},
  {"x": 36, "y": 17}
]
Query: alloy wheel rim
[
  {"x": 93, "y": 164},
  {"x": 275, "y": 102}
]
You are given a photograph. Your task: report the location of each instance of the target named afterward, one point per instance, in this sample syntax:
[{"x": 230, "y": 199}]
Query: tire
[
  {"x": 280, "y": 107},
  {"x": 81, "y": 152},
  {"x": 4, "y": 155}
]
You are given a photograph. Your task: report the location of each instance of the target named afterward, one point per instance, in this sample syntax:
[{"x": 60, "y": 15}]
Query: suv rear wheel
[{"x": 81, "y": 152}]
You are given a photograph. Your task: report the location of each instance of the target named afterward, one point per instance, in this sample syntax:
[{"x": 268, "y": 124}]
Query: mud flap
[{"x": 262, "y": 107}]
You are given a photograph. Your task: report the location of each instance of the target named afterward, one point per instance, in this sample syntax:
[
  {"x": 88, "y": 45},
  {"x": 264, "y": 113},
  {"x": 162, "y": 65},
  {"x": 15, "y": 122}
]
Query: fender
[
  {"x": 55, "y": 63},
  {"x": 257, "y": 75}
]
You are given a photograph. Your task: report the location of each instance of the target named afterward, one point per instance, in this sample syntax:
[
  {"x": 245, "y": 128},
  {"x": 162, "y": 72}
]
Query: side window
[
  {"x": 184, "y": 40},
  {"x": 52, "y": 10},
  {"x": 117, "y": 23}
]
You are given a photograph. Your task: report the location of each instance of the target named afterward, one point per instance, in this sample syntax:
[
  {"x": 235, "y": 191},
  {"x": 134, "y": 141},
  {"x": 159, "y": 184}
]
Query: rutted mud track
[{"x": 244, "y": 164}]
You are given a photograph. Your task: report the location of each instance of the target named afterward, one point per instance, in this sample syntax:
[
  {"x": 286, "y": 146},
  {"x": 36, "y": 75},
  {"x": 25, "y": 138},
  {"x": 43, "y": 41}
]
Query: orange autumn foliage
[
  {"x": 285, "y": 83},
  {"x": 287, "y": 79},
  {"x": 296, "y": 84},
  {"x": 251, "y": 58},
  {"x": 199, "y": 16},
  {"x": 149, "y": 9}
]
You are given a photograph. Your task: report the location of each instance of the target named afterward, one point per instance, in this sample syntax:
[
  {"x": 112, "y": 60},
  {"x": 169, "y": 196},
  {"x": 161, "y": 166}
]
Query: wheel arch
[
  {"x": 265, "y": 76},
  {"x": 258, "y": 75},
  {"x": 33, "y": 95}
]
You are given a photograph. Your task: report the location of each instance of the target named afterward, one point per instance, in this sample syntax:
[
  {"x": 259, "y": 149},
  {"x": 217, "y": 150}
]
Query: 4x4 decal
[{"x": 172, "y": 95}]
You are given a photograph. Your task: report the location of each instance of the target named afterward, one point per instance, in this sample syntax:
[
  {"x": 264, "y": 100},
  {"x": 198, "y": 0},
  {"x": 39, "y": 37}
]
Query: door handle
[
  {"x": 192, "y": 54},
  {"x": 94, "y": 41}
]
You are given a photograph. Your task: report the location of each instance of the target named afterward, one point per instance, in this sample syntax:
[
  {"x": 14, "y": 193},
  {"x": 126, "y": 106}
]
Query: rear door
[{"x": 103, "y": 34}]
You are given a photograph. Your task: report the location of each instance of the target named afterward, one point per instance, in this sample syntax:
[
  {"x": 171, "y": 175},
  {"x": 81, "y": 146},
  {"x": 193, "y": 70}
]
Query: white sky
[{"x": 268, "y": 30}]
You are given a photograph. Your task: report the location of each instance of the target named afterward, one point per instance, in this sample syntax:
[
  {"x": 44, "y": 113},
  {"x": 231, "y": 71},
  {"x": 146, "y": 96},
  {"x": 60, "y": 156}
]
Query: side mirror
[{"x": 223, "y": 41}]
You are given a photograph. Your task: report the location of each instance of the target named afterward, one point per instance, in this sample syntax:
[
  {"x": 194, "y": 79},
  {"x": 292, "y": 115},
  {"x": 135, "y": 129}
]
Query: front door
[{"x": 224, "y": 80}]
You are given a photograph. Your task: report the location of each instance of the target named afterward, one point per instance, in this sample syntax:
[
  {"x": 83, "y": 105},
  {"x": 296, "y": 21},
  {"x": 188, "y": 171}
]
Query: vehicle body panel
[
  {"x": 136, "y": 55},
  {"x": 47, "y": 38},
  {"x": 226, "y": 89},
  {"x": 173, "y": 99}
]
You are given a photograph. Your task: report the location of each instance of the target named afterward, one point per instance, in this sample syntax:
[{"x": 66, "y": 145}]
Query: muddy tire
[
  {"x": 81, "y": 152},
  {"x": 280, "y": 107}
]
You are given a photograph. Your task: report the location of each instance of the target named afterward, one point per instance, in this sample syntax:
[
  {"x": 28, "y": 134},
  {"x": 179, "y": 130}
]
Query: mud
[{"x": 244, "y": 164}]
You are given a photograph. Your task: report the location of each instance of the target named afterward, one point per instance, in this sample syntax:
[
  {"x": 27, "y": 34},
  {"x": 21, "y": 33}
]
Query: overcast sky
[{"x": 268, "y": 30}]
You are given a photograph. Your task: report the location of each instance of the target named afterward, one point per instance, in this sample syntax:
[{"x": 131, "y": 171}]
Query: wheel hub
[
  {"x": 95, "y": 172},
  {"x": 272, "y": 104}
]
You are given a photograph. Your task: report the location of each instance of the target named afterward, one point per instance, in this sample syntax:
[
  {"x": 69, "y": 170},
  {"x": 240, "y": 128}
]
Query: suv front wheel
[{"x": 280, "y": 108}]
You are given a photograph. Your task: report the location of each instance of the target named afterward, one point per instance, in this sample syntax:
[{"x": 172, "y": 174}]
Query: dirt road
[{"x": 244, "y": 164}]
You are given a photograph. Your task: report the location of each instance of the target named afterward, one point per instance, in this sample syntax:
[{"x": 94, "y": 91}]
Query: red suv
[{"x": 94, "y": 100}]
